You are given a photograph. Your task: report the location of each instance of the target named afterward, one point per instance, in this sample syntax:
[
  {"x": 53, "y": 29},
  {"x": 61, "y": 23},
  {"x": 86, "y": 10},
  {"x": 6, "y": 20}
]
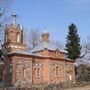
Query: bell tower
[{"x": 13, "y": 38}]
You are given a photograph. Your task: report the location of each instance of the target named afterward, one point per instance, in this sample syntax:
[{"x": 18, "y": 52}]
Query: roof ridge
[{"x": 43, "y": 45}]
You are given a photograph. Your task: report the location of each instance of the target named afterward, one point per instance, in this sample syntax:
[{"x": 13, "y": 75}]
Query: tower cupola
[
  {"x": 13, "y": 32},
  {"x": 13, "y": 37},
  {"x": 45, "y": 36}
]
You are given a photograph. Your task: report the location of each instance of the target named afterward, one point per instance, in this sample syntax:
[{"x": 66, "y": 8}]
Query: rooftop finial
[
  {"x": 45, "y": 32},
  {"x": 14, "y": 18}
]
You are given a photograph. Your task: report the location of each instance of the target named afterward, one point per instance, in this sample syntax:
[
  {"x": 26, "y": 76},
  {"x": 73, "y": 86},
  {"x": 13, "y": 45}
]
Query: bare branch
[
  {"x": 58, "y": 44},
  {"x": 34, "y": 38},
  {"x": 4, "y": 9}
]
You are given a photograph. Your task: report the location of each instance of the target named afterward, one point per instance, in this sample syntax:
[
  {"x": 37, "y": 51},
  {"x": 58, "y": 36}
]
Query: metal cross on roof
[{"x": 14, "y": 16}]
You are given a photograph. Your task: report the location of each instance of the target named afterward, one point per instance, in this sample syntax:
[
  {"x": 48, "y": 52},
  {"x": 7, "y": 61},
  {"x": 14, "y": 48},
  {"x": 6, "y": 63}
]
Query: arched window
[
  {"x": 18, "y": 37},
  {"x": 16, "y": 74},
  {"x": 54, "y": 73},
  {"x": 24, "y": 73},
  {"x": 70, "y": 77},
  {"x": 57, "y": 71},
  {"x": 60, "y": 72},
  {"x": 38, "y": 72},
  {"x": 35, "y": 72}
]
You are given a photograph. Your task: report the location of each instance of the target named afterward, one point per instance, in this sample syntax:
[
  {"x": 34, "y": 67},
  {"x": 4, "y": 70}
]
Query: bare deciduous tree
[
  {"x": 34, "y": 38},
  {"x": 83, "y": 72},
  {"x": 87, "y": 46},
  {"x": 5, "y": 5},
  {"x": 4, "y": 8},
  {"x": 58, "y": 44},
  {"x": 85, "y": 55}
]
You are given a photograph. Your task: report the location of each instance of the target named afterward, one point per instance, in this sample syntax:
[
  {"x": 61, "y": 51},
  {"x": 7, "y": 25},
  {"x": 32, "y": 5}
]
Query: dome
[{"x": 45, "y": 32}]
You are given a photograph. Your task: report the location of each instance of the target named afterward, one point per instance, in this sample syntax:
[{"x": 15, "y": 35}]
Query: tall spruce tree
[{"x": 73, "y": 46}]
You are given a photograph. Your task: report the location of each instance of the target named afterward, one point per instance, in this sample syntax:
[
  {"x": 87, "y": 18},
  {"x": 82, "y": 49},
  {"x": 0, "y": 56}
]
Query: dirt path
[{"x": 80, "y": 88}]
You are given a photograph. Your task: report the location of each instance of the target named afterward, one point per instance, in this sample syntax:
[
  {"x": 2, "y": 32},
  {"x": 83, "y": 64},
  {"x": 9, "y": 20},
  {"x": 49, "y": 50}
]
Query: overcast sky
[{"x": 54, "y": 15}]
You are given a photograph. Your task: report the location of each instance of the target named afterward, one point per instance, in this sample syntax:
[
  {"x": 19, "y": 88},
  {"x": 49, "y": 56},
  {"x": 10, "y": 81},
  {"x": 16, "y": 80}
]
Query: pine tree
[
  {"x": 73, "y": 46},
  {"x": 1, "y": 53}
]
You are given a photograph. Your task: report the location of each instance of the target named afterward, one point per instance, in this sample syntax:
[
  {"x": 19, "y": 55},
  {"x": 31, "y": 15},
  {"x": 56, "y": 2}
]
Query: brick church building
[{"x": 43, "y": 64}]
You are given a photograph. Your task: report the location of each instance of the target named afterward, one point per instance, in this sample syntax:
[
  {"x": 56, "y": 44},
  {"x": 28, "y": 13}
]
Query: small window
[
  {"x": 18, "y": 37},
  {"x": 70, "y": 77},
  {"x": 34, "y": 71},
  {"x": 57, "y": 71},
  {"x": 38, "y": 72},
  {"x": 24, "y": 73},
  {"x": 60, "y": 72},
  {"x": 54, "y": 73}
]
